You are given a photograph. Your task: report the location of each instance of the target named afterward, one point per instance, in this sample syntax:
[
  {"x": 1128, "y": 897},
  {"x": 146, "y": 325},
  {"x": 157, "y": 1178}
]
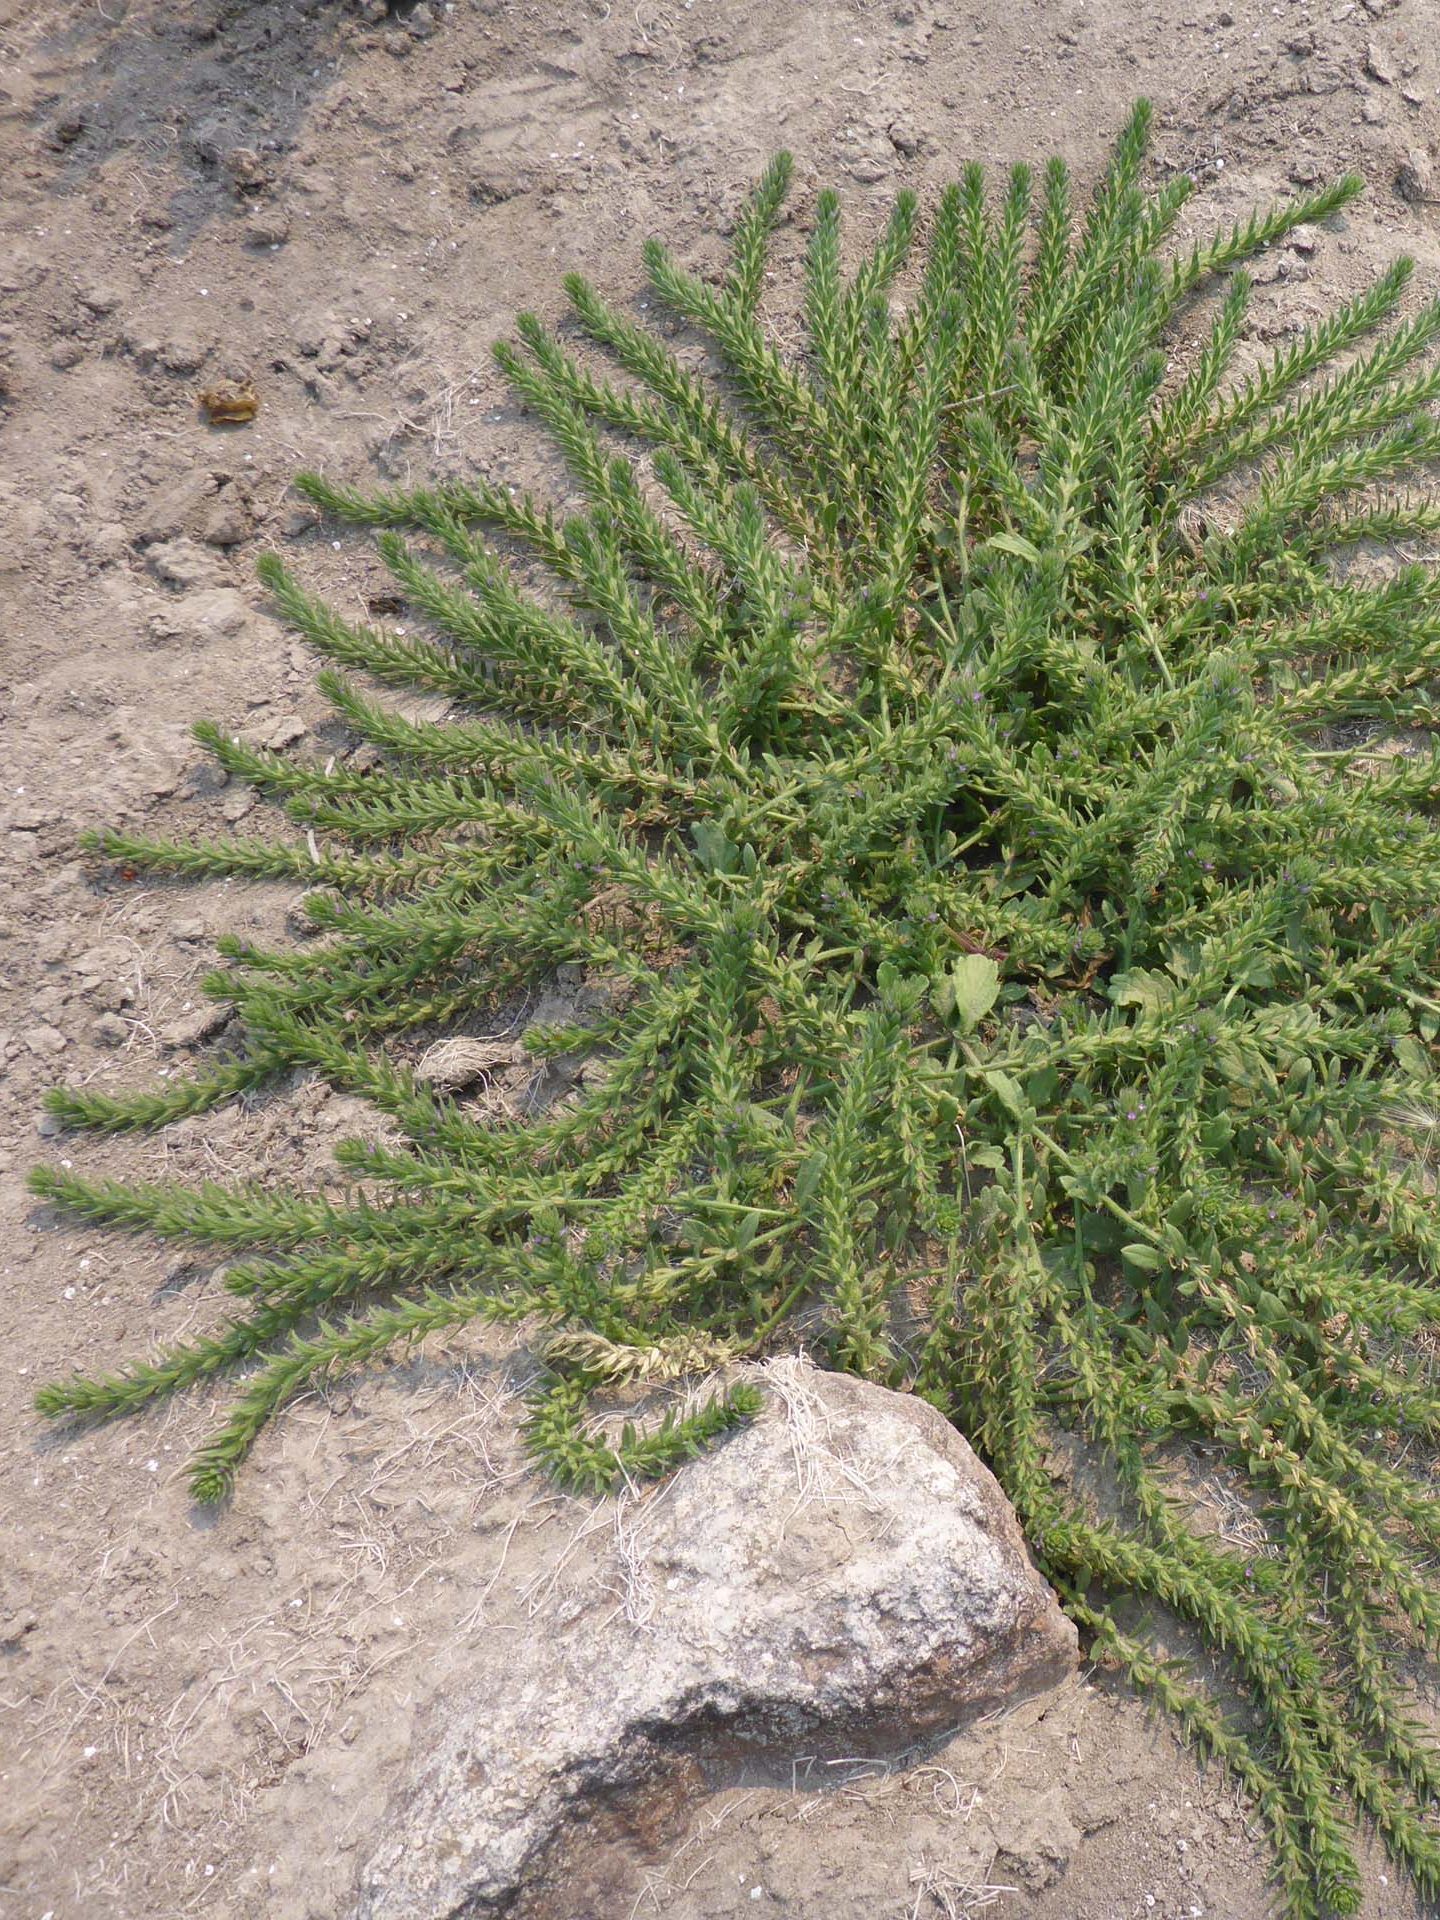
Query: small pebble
[{"x": 1415, "y": 178}]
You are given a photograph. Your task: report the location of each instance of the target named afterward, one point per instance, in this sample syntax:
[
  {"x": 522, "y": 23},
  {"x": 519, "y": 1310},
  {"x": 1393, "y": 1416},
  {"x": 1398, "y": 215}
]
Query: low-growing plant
[{"x": 943, "y": 750}]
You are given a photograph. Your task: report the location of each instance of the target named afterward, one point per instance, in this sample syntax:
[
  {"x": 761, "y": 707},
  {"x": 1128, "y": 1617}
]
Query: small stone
[
  {"x": 1377, "y": 64},
  {"x": 178, "y": 1272},
  {"x": 110, "y": 995},
  {"x": 1415, "y": 179},
  {"x": 298, "y": 518},
  {"x": 422, "y": 22},
  {"x": 1303, "y": 239},
  {"x": 1412, "y": 96},
  {"x": 99, "y": 962},
  {"x": 14, "y": 1627},
  {"x": 68, "y": 128},
  {"x": 179, "y": 507},
  {"x": 111, "y": 1031},
  {"x": 309, "y": 331},
  {"x": 1372, "y": 113},
  {"x": 191, "y": 1028},
  {"x": 227, "y": 523},
  {"x": 66, "y": 354},
  {"x": 267, "y": 227},
  {"x": 44, "y": 1039},
  {"x": 284, "y": 732},
  {"x": 101, "y": 299},
  {"x": 1226, "y": 19},
  {"x": 182, "y": 356},
  {"x": 180, "y": 563},
  {"x": 203, "y": 781},
  {"x": 498, "y": 177},
  {"x": 244, "y": 170},
  {"x": 108, "y": 544},
  {"x": 236, "y": 805},
  {"x": 221, "y": 611},
  {"x": 1304, "y": 173}
]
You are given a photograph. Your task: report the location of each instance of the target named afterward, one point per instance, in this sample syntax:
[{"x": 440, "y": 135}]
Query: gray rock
[
  {"x": 190, "y": 1029},
  {"x": 278, "y": 734},
  {"x": 245, "y": 170},
  {"x": 842, "y": 1577},
  {"x": 107, "y": 544},
  {"x": 100, "y": 299},
  {"x": 298, "y": 518},
  {"x": 1415, "y": 178},
  {"x": 181, "y": 355},
  {"x": 228, "y": 521},
  {"x": 180, "y": 563},
  {"x": 213, "y": 610},
  {"x": 179, "y": 507},
  {"x": 43, "y": 1038},
  {"x": 496, "y": 177},
  {"x": 267, "y": 227}
]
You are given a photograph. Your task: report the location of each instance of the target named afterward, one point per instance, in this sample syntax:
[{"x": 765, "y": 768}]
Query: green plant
[{"x": 1010, "y": 975}]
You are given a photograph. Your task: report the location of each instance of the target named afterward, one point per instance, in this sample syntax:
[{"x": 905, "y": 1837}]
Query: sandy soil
[{"x": 204, "y": 1714}]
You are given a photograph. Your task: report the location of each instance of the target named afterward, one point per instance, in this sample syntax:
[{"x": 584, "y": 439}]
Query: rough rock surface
[{"x": 842, "y": 1577}]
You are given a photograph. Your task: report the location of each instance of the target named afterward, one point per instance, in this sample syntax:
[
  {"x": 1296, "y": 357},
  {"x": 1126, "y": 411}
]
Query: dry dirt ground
[{"x": 203, "y": 1715}]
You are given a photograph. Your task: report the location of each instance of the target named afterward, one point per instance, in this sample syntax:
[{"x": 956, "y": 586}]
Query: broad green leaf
[
  {"x": 1414, "y": 1059},
  {"x": 717, "y": 852},
  {"x": 1142, "y": 1256},
  {"x": 975, "y": 987},
  {"x": 1008, "y": 1090},
  {"x": 1143, "y": 987},
  {"x": 1016, "y": 544}
]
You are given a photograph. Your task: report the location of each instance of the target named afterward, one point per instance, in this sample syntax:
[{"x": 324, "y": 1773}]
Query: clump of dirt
[{"x": 341, "y": 207}]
